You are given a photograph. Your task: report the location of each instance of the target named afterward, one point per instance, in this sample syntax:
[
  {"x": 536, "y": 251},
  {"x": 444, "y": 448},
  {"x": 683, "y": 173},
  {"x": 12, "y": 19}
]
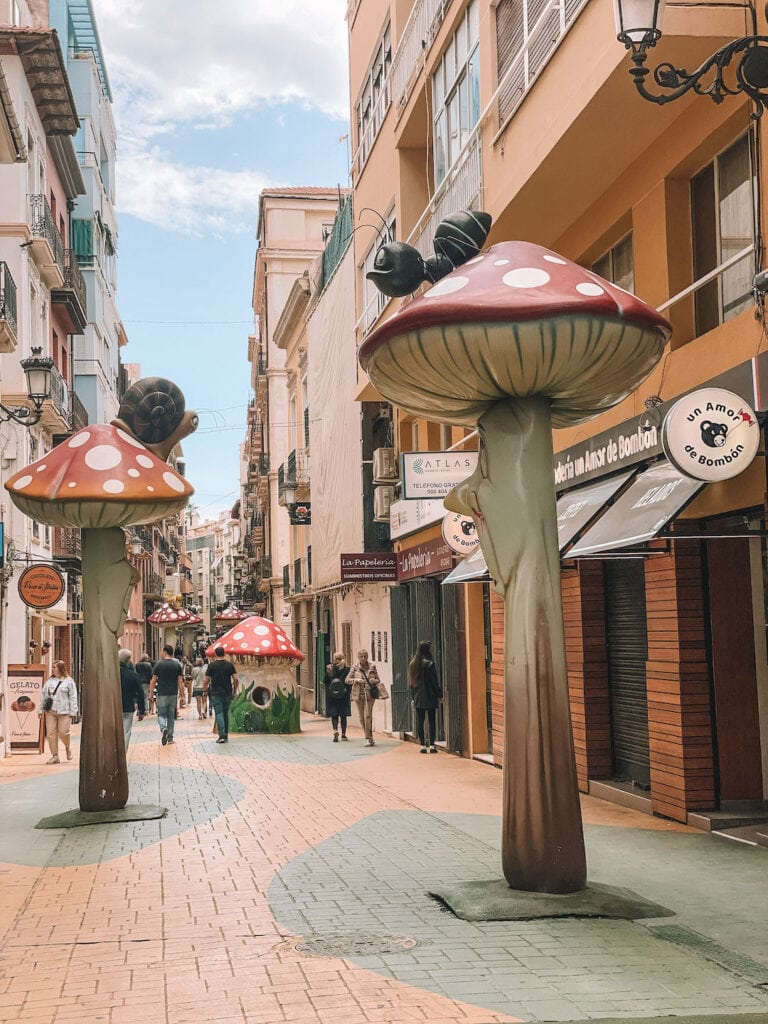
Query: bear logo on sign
[{"x": 713, "y": 434}]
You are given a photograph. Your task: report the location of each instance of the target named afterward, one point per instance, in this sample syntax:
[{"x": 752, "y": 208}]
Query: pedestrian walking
[
  {"x": 426, "y": 693},
  {"x": 166, "y": 682},
  {"x": 186, "y": 666},
  {"x": 58, "y": 702},
  {"x": 221, "y": 679},
  {"x": 198, "y": 688},
  {"x": 337, "y": 690},
  {"x": 364, "y": 681},
  {"x": 144, "y": 671},
  {"x": 132, "y": 693}
]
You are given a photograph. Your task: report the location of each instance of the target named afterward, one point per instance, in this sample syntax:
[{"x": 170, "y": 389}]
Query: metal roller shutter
[
  {"x": 627, "y": 640},
  {"x": 399, "y": 606}
]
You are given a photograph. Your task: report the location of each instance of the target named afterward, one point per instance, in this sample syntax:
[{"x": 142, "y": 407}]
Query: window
[
  {"x": 723, "y": 214},
  {"x": 617, "y": 265},
  {"x": 456, "y": 93},
  {"x": 374, "y": 300},
  {"x": 375, "y": 97}
]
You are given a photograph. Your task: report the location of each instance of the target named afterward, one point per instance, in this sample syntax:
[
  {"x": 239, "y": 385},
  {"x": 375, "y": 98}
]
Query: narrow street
[{"x": 290, "y": 882}]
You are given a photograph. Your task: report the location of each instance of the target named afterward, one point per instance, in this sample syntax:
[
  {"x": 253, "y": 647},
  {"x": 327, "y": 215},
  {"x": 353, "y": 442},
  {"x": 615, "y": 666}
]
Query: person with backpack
[
  {"x": 337, "y": 691},
  {"x": 426, "y": 693}
]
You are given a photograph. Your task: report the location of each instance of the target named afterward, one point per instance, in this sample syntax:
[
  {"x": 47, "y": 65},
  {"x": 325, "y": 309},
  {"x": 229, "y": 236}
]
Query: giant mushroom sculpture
[
  {"x": 265, "y": 658},
  {"x": 229, "y": 616},
  {"x": 167, "y": 617},
  {"x": 102, "y": 478},
  {"x": 518, "y": 340}
]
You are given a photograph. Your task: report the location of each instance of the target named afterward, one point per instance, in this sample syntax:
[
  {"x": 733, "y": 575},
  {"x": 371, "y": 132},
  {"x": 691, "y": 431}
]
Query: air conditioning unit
[
  {"x": 384, "y": 465},
  {"x": 383, "y": 497}
]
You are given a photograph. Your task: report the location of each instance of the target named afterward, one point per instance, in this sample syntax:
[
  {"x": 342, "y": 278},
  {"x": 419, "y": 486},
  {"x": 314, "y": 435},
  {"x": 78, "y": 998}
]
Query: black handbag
[
  {"x": 372, "y": 687},
  {"x": 48, "y": 702}
]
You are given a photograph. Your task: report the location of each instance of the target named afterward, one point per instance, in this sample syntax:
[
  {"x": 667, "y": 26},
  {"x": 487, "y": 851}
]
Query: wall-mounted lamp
[
  {"x": 653, "y": 417},
  {"x": 638, "y": 27},
  {"x": 37, "y": 369}
]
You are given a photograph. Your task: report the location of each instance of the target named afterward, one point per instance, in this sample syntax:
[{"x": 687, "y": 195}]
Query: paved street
[{"x": 290, "y": 883}]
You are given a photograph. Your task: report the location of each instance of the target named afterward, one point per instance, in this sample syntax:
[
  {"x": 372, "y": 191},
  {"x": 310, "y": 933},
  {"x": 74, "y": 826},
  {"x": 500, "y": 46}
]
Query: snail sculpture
[{"x": 153, "y": 411}]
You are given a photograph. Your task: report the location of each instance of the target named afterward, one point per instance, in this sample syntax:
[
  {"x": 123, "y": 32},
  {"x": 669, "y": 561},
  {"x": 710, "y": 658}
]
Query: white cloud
[{"x": 199, "y": 64}]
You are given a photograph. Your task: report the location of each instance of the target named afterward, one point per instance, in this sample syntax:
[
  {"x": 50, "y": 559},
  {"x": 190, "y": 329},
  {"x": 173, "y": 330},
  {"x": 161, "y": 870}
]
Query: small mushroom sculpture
[
  {"x": 228, "y": 616},
  {"x": 518, "y": 340},
  {"x": 168, "y": 617},
  {"x": 265, "y": 658},
  {"x": 102, "y": 478}
]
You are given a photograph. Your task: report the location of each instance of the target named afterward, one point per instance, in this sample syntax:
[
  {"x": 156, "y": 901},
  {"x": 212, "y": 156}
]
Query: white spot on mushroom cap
[
  {"x": 114, "y": 486},
  {"x": 266, "y": 643},
  {"x": 79, "y": 439},
  {"x": 24, "y": 481},
  {"x": 133, "y": 472},
  {"x": 261, "y": 631},
  {"x": 587, "y": 288},
  {"x": 150, "y": 489},
  {"x": 72, "y": 483},
  {"x": 145, "y": 461},
  {"x": 446, "y": 286},
  {"x": 41, "y": 468},
  {"x": 526, "y": 277},
  {"x": 500, "y": 263},
  {"x": 238, "y": 636},
  {"x": 174, "y": 482},
  {"x": 103, "y": 456},
  {"x": 129, "y": 440},
  {"x": 555, "y": 259}
]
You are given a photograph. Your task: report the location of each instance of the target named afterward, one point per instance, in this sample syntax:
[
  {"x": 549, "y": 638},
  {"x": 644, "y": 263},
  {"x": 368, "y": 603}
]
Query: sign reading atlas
[
  {"x": 460, "y": 533},
  {"x": 434, "y": 474},
  {"x": 710, "y": 435}
]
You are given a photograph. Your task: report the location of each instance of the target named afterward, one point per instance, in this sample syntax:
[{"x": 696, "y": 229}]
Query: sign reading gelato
[
  {"x": 434, "y": 474},
  {"x": 25, "y": 683}
]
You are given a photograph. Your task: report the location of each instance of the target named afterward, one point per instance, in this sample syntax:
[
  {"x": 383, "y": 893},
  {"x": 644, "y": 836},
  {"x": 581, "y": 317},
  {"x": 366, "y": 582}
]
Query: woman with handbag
[
  {"x": 58, "y": 702},
  {"x": 365, "y": 691},
  {"x": 337, "y": 703}
]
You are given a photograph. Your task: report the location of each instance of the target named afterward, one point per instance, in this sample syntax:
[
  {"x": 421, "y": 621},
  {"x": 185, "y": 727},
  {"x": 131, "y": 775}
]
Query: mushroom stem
[
  {"x": 107, "y": 582},
  {"x": 512, "y": 498}
]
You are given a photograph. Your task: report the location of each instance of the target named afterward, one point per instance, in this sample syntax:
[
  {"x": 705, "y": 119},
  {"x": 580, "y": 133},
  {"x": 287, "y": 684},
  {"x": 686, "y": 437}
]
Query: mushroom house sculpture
[
  {"x": 102, "y": 478},
  {"x": 519, "y": 340},
  {"x": 265, "y": 658},
  {"x": 169, "y": 618}
]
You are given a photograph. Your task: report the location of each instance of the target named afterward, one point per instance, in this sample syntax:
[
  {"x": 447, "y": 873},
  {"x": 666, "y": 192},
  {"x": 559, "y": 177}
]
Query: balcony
[
  {"x": 286, "y": 580},
  {"x": 286, "y": 481},
  {"x": 71, "y": 296},
  {"x": 8, "y": 322},
  {"x": 66, "y": 545},
  {"x": 46, "y": 246},
  {"x": 297, "y": 576},
  {"x": 415, "y": 43},
  {"x": 155, "y": 587},
  {"x": 461, "y": 189},
  {"x": 264, "y": 462},
  {"x": 56, "y": 409}
]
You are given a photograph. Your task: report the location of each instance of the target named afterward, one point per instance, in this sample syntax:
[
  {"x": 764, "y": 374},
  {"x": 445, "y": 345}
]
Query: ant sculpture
[{"x": 399, "y": 269}]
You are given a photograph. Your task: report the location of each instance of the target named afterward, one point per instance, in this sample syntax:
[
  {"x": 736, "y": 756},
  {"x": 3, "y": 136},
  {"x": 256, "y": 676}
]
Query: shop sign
[
  {"x": 41, "y": 586},
  {"x": 434, "y": 474},
  {"x": 25, "y": 684},
  {"x": 300, "y": 514},
  {"x": 424, "y": 560},
  {"x": 409, "y": 516},
  {"x": 711, "y": 434},
  {"x": 369, "y": 567},
  {"x": 460, "y": 533}
]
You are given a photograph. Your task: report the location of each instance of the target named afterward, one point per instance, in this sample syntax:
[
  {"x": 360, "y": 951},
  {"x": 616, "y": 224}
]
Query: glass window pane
[
  {"x": 735, "y": 199},
  {"x": 453, "y": 128},
  {"x": 473, "y": 17},
  {"x": 474, "y": 91},
  {"x": 461, "y": 42},
  {"x": 705, "y": 248},
  {"x": 440, "y": 148},
  {"x": 463, "y": 93},
  {"x": 603, "y": 266},
  {"x": 438, "y": 92},
  {"x": 623, "y": 265}
]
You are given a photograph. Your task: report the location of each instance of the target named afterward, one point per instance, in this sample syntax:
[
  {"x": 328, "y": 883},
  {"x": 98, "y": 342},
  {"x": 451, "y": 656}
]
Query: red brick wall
[
  {"x": 679, "y": 724},
  {"x": 584, "y": 617}
]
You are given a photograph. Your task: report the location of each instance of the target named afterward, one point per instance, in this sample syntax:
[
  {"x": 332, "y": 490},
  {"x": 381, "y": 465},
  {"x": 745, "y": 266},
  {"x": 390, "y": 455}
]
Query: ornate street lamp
[
  {"x": 37, "y": 369},
  {"x": 638, "y": 26}
]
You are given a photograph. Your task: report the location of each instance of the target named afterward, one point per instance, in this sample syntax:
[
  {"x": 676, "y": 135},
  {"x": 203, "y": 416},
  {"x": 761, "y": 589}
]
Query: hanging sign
[
  {"x": 434, "y": 474},
  {"x": 41, "y": 586},
  {"x": 369, "y": 567},
  {"x": 300, "y": 514},
  {"x": 460, "y": 533},
  {"x": 426, "y": 559},
  {"x": 710, "y": 435}
]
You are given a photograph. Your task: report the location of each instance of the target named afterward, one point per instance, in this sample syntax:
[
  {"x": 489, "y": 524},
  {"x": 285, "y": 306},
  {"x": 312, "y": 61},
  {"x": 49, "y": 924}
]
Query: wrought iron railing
[
  {"x": 74, "y": 279},
  {"x": 306, "y": 427},
  {"x": 66, "y": 542},
  {"x": 79, "y": 417},
  {"x": 43, "y": 226},
  {"x": 59, "y": 393},
  {"x": 8, "y": 297},
  {"x": 302, "y": 466},
  {"x": 264, "y": 462},
  {"x": 297, "y": 584},
  {"x": 290, "y": 469},
  {"x": 414, "y": 44}
]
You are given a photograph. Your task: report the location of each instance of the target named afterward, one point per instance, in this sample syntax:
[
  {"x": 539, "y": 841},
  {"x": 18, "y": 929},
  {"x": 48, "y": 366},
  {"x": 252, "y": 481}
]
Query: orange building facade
[{"x": 526, "y": 110}]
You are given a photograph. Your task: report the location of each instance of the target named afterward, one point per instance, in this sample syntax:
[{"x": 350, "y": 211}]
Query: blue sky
[{"x": 212, "y": 104}]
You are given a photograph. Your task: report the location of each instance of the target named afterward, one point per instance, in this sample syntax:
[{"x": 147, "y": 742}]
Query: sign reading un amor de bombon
[{"x": 711, "y": 434}]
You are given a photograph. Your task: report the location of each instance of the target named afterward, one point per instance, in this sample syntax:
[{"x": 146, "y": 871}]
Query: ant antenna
[{"x": 368, "y": 209}]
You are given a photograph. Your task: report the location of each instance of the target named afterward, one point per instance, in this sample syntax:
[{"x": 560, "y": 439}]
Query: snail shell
[{"x": 152, "y": 409}]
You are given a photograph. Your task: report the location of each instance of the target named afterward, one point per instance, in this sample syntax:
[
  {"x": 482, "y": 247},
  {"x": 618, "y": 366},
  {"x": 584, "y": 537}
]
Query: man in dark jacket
[
  {"x": 132, "y": 693},
  {"x": 143, "y": 669}
]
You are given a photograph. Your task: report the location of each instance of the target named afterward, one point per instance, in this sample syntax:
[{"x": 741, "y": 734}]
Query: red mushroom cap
[
  {"x": 516, "y": 321},
  {"x": 256, "y": 637},
  {"x": 101, "y": 476},
  {"x": 230, "y": 614},
  {"x": 168, "y": 614}
]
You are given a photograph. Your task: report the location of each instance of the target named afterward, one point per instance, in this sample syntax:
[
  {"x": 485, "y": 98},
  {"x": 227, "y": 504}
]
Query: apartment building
[
  {"x": 214, "y": 557},
  {"x": 527, "y": 110}
]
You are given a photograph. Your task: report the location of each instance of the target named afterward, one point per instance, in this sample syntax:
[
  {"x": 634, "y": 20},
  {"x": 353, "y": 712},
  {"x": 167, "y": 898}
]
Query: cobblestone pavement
[{"x": 290, "y": 880}]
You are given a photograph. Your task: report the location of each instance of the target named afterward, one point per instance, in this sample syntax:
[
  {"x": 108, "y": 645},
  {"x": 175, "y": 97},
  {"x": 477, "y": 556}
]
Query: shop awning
[
  {"x": 652, "y": 499},
  {"x": 472, "y": 568},
  {"x": 576, "y": 508}
]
